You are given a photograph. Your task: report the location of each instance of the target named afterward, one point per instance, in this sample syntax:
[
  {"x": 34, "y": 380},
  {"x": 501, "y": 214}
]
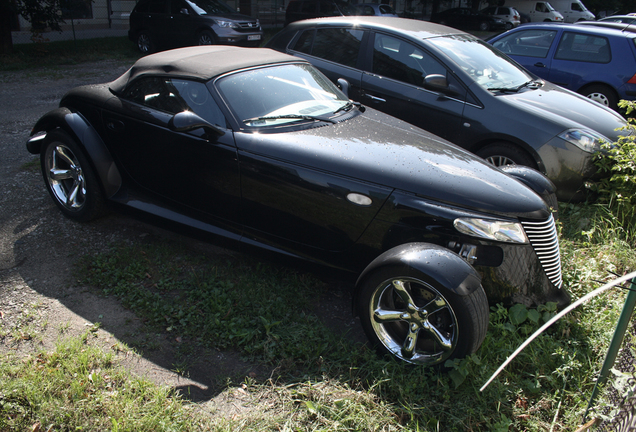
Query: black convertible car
[{"x": 259, "y": 148}]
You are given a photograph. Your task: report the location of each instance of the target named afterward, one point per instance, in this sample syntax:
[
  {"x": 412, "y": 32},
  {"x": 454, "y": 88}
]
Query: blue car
[{"x": 597, "y": 62}]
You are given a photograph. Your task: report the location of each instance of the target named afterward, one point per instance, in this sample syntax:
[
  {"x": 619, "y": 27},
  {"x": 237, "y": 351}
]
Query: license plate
[{"x": 254, "y": 37}]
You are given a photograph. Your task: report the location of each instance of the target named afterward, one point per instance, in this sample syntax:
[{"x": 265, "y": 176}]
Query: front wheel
[
  {"x": 484, "y": 26},
  {"x": 145, "y": 43},
  {"x": 206, "y": 38},
  {"x": 418, "y": 322},
  {"x": 70, "y": 179},
  {"x": 503, "y": 153}
]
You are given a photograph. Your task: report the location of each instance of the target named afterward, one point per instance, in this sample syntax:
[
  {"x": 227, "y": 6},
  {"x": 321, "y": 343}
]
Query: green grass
[{"x": 323, "y": 381}]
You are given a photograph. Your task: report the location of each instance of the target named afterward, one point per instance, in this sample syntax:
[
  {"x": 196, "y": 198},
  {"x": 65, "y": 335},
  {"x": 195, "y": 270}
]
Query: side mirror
[
  {"x": 436, "y": 82},
  {"x": 343, "y": 85},
  {"x": 184, "y": 11},
  {"x": 187, "y": 121}
]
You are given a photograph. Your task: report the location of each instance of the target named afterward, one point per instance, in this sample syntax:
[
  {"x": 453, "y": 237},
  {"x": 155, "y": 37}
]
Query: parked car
[
  {"x": 259, "y": 149},
  {"x": 305, "y": 9},
  {"x": 595, "y": 61},
  {"x": 536, "y": 11},
  {"x": 374, "y": 9},
  {"x": 156, "y": 24},
  {"x": 468, "y": 19},
  {"x": 572, "y": 10},
  {"x": 458, "y": 87},
  {"x": 510, "y": 16},
  {"x": 625, "y": 19}
]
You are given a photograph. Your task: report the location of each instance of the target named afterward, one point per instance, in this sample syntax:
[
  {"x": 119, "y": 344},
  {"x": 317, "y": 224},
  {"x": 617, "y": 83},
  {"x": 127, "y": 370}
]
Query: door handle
[
  {"x": 115, "y": 125},
  {"x": 374, "y": 98},
  {"x": 539, "y": 64}
]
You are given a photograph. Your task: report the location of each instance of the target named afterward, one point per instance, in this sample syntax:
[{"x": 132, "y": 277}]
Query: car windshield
[
  {"x": 487, "y": 66},
  {"x": 276, "y": 95},
  {"x": 209, "y": 7}
]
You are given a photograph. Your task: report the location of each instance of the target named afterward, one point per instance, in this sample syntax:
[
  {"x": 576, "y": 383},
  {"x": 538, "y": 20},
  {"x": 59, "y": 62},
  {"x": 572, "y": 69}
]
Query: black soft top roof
[{"x": 201, "y": 63}]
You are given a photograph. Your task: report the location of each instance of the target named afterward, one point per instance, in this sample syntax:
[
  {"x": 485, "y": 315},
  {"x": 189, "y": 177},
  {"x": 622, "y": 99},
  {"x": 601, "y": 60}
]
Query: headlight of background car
[
  {"x": 503, "y": 231},
  {"x": 226, "y": 24},
  {"x": 586, "y": 140}
]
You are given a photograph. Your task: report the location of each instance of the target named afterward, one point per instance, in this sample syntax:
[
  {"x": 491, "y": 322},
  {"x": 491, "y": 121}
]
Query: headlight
[
  {"x": 226, "y": 24},
  {"x": 503, "y": 231},
  {"x": 586, "y": 140}
]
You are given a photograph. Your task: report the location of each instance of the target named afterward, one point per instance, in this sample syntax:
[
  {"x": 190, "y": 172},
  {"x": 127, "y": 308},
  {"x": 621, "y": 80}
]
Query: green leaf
[
  {"x": 518, "y": 314},
  {"x": 534, "y": 316}
]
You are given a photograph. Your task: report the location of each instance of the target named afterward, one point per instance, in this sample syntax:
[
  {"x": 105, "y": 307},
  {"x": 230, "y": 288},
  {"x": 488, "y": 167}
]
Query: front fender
[
  {"x": 436, "y": 264},
  {"x": 86, "y": 136}
]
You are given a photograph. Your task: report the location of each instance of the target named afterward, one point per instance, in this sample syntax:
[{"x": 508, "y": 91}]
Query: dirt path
[{"x": 40, "y": 301}]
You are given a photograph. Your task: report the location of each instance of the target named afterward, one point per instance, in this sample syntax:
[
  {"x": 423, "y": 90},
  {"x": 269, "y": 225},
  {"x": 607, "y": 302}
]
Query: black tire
[
  {"x": 602, "y": 94},
  {"x": 206, "y": 38},
  {"x": 145, "y": 44},
  {"x": 503, "y": 153},
  {"x": 484, "y": 26},
  {"x": 443, "y": 325},
  {"x": 69, "y": 178},
  {"x": 508, "y": 25}
]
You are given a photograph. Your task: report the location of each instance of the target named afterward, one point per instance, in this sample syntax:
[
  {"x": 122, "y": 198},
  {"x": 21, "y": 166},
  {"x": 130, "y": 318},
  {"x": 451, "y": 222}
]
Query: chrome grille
[
  {"x": 247, "y": 25},
  {"x": 544, "y": 240}
]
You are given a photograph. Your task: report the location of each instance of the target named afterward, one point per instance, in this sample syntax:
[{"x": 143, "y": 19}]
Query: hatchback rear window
[{"x": 585, "y": 48}]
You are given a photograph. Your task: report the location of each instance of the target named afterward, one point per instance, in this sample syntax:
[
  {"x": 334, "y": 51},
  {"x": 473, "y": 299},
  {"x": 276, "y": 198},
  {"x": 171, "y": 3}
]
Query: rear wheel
[
  {"x": 601, "y": 94},
  {"x": 417, "y": 322},
  {"x": 70, "y": 179},
  {"x": 503, "y": 153}
]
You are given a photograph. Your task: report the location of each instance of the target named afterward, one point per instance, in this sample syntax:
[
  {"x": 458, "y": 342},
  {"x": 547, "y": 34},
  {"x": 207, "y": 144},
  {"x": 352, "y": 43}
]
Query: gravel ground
[{"x": 40, "y": 302}]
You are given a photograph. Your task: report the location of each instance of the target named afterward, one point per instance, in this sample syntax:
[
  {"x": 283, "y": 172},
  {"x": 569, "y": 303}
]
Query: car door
[
  {"x": 181, "y": 22},
  {"x": 197, "y": 169},
  {"x": 531, "y": 48},
  {"x": 577, "y": 56},
  {"x": 393, "y": 82},
  {"x": 335, "y": 52}
]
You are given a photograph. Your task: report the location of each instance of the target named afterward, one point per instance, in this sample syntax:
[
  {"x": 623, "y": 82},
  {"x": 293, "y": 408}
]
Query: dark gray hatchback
[
  {"x": 456, "y": 86},
  {"x": 174, "y": 23}
]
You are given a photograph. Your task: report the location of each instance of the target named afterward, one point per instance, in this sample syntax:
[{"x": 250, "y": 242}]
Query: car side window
[
  {"x": 174, "y": 96},
  {"x": 528, "y": 43},
  {"x": 402, "y": 61},
  {"x": 585, "y": 48},
  {"x": 339, "y": 45}
]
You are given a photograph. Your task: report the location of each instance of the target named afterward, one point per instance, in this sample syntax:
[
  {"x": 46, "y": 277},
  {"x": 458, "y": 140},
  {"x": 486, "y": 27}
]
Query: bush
[{"x": 618, "y": 189}]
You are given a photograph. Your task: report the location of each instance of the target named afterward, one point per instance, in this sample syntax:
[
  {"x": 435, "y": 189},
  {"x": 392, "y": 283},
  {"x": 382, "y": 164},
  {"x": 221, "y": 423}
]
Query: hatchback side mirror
[
  {"x": 187, "y": 121},
  {"x": 439, "y": 83}
]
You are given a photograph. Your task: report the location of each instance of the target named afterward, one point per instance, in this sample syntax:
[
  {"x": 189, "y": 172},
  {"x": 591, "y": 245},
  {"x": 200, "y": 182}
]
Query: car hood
[
  {"x": 563, "y": 107},
  {"x": 380, "y": 149},
  {"x": 230, "y": 16}
]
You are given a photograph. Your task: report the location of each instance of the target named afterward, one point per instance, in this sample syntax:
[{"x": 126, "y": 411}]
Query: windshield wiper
[
  {"x": 348, "y": 106},
  {"x": 516, "y": 89},
  {"x": 290, "y": 116}
]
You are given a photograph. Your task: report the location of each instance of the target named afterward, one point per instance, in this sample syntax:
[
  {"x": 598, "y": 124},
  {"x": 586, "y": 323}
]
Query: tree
[{"x": 41, "y": 14}]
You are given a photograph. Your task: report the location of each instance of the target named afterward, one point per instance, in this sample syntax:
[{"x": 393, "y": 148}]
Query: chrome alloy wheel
[
  {"x": 65, "y": 177},
  {"x": 414, "y": 321}
]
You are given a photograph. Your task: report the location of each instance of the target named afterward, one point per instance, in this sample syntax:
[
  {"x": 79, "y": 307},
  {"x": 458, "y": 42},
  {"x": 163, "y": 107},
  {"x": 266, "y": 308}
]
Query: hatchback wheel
[
  {"x": 601, "y": 94},
  {"x": 503, "y": 153},
  {"x": 484, "y": 26},
  {"x": 70, "y": 179},
  {"x": 420, "y": 323}
]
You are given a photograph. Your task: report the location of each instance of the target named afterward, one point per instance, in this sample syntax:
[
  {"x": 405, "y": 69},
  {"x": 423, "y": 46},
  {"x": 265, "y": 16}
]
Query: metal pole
[{"x": 615, "y": 344}]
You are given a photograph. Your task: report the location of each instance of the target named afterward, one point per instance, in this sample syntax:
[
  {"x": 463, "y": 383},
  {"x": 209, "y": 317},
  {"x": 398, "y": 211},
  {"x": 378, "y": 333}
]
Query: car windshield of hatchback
[
  {"x": 209, "y": 7},
  {"x": 277, "y": 95},
  {"x": 487, "y": 66}
]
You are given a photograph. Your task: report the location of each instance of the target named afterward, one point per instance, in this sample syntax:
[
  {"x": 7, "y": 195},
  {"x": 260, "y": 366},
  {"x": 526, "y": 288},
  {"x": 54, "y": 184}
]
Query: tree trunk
[{"x": 6, "y": 41}]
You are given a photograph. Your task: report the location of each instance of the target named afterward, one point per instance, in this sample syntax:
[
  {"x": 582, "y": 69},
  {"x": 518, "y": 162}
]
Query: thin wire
[{"x": 556, "y": 318}]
